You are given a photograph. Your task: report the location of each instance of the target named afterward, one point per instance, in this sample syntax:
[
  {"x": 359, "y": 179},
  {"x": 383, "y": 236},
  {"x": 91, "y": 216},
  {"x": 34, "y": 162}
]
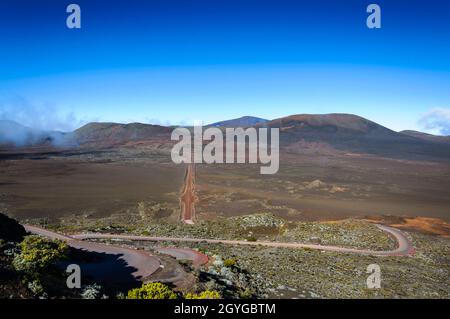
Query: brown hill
[
  {"x": 352, "y": 133},
  {"x": 330, "y": 123},
  {"x": 115, "y": 133}
]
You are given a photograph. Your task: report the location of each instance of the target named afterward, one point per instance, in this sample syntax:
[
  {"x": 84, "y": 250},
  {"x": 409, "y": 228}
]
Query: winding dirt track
[
  {"x": 404, "y": 246},
  {"x": 146, "y": 264}
]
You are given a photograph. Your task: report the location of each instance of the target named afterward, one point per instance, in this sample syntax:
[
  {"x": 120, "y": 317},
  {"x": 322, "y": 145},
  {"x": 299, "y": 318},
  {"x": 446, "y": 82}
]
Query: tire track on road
[{"x": 187, "y": 198}]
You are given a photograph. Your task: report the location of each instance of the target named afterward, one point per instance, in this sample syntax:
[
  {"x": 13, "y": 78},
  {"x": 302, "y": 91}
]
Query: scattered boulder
[{"x": 315, "y": 184}]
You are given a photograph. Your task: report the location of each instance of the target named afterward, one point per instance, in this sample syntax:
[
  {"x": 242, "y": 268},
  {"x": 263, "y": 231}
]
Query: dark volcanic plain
[
  {"x": 89, "y": 183},
  {"x": 308, "y": 187}
]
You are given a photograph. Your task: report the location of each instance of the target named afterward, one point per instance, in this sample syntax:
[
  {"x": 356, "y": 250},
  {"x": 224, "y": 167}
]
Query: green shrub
[
  {"x": 246, "y": 294},
  {"x": 153, "y": 290},
  {"x": 230, "y": 262},
  {"x": 37, "y": 253},
  {"x": 207, "y": 294},
  {"x": 36, "y": 287}
]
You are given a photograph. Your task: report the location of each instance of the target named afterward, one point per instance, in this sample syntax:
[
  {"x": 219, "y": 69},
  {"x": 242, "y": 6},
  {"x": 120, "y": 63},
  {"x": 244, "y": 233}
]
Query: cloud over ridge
[{"x": 437, "y": 119}]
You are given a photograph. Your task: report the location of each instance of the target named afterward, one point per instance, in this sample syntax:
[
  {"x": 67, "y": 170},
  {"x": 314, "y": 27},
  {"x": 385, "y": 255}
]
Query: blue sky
[{"x": 179, "y": 61}]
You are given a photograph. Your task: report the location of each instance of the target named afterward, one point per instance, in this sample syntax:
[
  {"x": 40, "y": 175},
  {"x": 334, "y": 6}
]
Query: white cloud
[
  {"x": 41, "y": 117},
  {"x": 436, "y": 120}
]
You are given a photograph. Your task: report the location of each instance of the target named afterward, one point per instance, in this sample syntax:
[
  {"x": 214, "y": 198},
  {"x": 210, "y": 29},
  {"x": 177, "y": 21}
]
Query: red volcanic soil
[
  {"x": 427, "y": 225},
  {"x": 188, "y": 196}
]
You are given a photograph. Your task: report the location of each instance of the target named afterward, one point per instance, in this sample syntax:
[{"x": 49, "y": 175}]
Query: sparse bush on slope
[
  {"x": 207, "y": 294},
  {"x": 229, "y": 262},
  {"x": 25, "y": 259},
  {"x": 37, "y": 253},
  {"x": 153, "y": 290}
]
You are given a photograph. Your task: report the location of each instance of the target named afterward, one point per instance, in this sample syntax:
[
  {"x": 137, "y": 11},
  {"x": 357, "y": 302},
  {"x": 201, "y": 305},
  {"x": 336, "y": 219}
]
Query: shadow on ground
[{"x": 108, "y": 270}]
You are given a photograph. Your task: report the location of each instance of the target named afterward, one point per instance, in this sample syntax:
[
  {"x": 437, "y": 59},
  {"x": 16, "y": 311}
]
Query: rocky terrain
[
  {"x": 284, "y": 273},
  {"x": 258, "y": 272}
]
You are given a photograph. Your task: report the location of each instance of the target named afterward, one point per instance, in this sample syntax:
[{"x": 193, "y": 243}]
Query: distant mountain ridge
[
  {"x": 244, "y": 121},
  {"x": 346, "y": 133}
]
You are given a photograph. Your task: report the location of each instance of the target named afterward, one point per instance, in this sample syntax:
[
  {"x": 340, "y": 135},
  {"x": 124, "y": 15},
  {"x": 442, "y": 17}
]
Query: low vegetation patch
[
  {"x": 347, "y": 233},
  {"x": 207, "y": 294},
  {"x": 157, "y": 290},
  {"x": 153, "y": 290}
]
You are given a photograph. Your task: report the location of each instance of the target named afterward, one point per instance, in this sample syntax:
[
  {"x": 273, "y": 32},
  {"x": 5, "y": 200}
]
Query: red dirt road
[
  {"x": 188, "y": 198},
  {"x": 198, "y": 259},
  {"x": 404, "y": 246}
]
